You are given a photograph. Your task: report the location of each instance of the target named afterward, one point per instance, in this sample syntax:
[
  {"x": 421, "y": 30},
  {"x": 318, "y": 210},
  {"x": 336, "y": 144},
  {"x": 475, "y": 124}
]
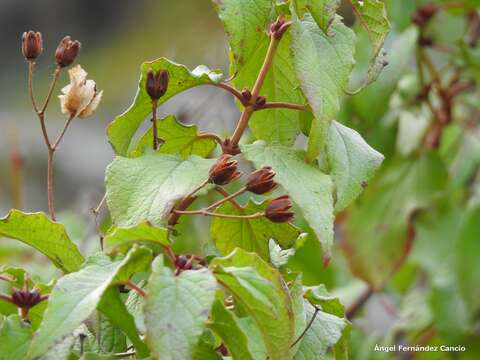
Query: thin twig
[
  {"x": 62, "y": 133},
  {"x": 225, "y": 193},
  {"x": 358, "y": 303},
  {"x": 31, "y": 68},
  {"x": 56, "y": 75},
  {"x": 138, "y": 289},
  {"x": 228, "y": 216},
  {"x": 154, "y": 125},
  {"x": 231, "y": 90},
  {"x": 170, "y": 253},
  {"x": 51, "y": 207},
  {"x": 248, "y": 111},
  {"x": 96, "y": 210},
  {"x": 307, "y": 327},
  {"x": 208, "y": 135},
  {"x": 5, "y": 278},
  {"x": 283, "y": 105},
  {"x": 7, "y": 298},
  {"x": 225, "y": 199}
]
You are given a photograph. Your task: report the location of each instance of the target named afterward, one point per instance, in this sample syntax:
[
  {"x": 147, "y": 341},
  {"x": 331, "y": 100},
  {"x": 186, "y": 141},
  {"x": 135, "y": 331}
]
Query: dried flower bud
[
  {"x": 259, "y": 102},
  {"x": 277, "y": 210},
  {"x": 278, "y": 28},
  {"x": 247, "y": 95},
  {"x": 80, "y": 98},
  {"x": 261, "y": 181},
  {"x": 32, "y": 45},
  {"x": 224, "y": 171},
  {"x": 424, "y": 14},
  {"x": 26, "y": 298},
  {"x": 156, "y": 83},
  {"x": 67, "y": 51}
]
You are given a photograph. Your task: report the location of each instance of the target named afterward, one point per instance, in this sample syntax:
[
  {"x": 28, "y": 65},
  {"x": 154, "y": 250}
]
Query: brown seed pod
[
  {"x": 156, "y": 83},
  {"x": 278, "y": 210},
  {"x": 67, "y": 51},
  {"x": 224, "y": 171},
  {"x": 261, "y": 181},
  {"x": 32, "y": 45}
]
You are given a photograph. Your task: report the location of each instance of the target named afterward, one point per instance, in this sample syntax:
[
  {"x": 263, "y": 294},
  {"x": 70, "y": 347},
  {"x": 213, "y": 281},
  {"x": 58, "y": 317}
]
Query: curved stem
[
  {"x": 134, "y": 286},
  {"x": 231, "y": 90},
  {"x": 284, "y": 105},
  {"x": 62, "y": 133},
  {"x": 358, "y": 304},
  {"x": 208, "y": 135},
  {"x": 307, "y": 327},
  {"x": 225, "y": 199},
  {"x": 51, "y": 208},
  {"x": 56, "y": 75},
  {"x": 7, "y": 298},
  {"x": 248, "y": 111},
  {"x": 31, "y": 68},
  {"x": 227, "y": 216},
  {"x": 225, "y": 193},
  {"x": 154, "y": 125}
]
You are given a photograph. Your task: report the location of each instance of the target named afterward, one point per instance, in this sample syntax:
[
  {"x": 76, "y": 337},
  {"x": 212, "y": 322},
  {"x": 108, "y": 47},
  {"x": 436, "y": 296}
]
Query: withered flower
[
  {"x": 32, "y": 45},
  {"x": 424, "y": 14},
  {"x": 224, "y": 171},
  {"x": 80, "y": 98},
  {"x": 261, "y": 181},
  {"x": 26, "y": 298},
  {"x": 156, "y": 83},
  {"x": 67, "y": 51},
  {"x": 278, "y": 210}
]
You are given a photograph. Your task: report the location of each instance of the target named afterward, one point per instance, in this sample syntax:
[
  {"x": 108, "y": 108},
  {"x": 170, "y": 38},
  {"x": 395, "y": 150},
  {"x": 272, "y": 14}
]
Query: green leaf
[
  {"x": 373, "y": 17},
  {"x": 372, "y": 103},
  {"x": 467, "y": 267},
  {"x": 206, "y": 346},
  {"x": 323, "y": 65},
  {"x": 112, "y": 306},
  {"x": 48, "y": 237},
  {"x": 15, "y": 338},
  {"x": 263, "y": 293},
  {"x": 325, "y": 331},
  {"x": 352, "y": 161},
  {"x": 278, "y": 256},
  {"x": 320, "y": 297},
  {"x": 77, "y": 295},
  {"x": 121, "y": 131},
  {"x": 298, "y": 307},
  {"x": 225, "y": 324},
  {"x": 249, "y": 234},
  {"x": 176, "y": 310},
  {"x": 310, "y": 188},
  {"x": 322, "y": 11},
  {"x": 245, "y": 23},
  {"x": 146, "y": 188},
  {"x": 178, "y": 139},
  {"x": 381, "y": 226},
  {"x": 143, "y": 232},
  {"x": 95, "y": 356}
]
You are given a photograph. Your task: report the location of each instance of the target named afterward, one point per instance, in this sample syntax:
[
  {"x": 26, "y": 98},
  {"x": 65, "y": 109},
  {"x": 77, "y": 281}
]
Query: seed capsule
[
  {"x": 277, "y": 210},
  {"x": 261, "y": 181},
  {"x": 156, "y": 83},
  {"x": 32, "y": 45},
  {"x": 224, "y": 171},
  {"x": 67, "y": 51},
  {"x": 259, "y": 102},
  {"x": 26, "y": 298},
  {"x": 247, "y": 95}
]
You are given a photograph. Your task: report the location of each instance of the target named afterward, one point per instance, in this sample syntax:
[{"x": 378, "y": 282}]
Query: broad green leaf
[
  {"x": 320, "y": 297},
  {"x": 323, "y": 65},
  {"x": 178, "y": 139},
  {"x": 278, "y": 256},
  {"x": 352, "y": 161},
  {"x": 322, "y": 11},
  {"x": 176, "y": 310},
  {"x": 225, "y": 324},
  {"x": 109, "y": 337},
  {"x": 467, "y": 267},
  {"x": 310, "y": 188},
  {"x": 15, "y": 338},
  {"x": 95, "y": 356},
  {"x": 112, "y": 306},
  {"x": 373, "y": 17},
  {"x": 381, "y": 226},
  {"x": 372, "y": 103},
  {"x": 205, "y": 349},
  {"x": 77, "y": 295},
  {"x": 121, "y": 131},
  {"x": 146, "y": 188},
  {"x": 262, "y": 292},
  {"x": 325, "y": 331},
  {"x": 48, "y": 237},
  {"x": 298, "y": 307},
  {"x": 143, "y": 232},
  {"x": 250, "y": 235},
  {"x": 246, "y": 22}
]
